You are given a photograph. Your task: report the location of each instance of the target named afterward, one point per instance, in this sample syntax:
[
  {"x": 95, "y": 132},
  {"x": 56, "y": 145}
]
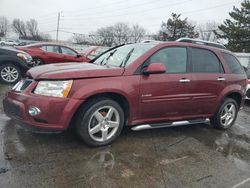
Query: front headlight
[
  {"x": 25, "y": 57},
  {"x": 54, "y": 88}
]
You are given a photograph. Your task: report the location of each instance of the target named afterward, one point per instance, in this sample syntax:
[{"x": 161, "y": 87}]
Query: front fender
[
  {"x": 128, "y": 87},
  {"x": 15, "y": 60}
]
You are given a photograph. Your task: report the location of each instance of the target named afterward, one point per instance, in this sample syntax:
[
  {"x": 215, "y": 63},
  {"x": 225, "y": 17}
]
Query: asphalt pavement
[{"x": 186, "y": 156}]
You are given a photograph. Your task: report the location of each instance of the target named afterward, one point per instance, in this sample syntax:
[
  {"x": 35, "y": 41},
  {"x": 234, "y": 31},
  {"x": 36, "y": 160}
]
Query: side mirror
[
  {"x": 155, "y": 68},
  {"x": 78, "y": 55}
]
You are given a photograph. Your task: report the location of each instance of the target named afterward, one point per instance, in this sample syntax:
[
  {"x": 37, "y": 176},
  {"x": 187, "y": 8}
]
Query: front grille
[
  {"x": 11, "y": 109},
  {"x": 22, "y": 85},
  {"x": 26, "y": 83}
]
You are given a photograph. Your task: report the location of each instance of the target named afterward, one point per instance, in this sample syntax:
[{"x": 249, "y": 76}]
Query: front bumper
[{"x": 56, "y": 113}]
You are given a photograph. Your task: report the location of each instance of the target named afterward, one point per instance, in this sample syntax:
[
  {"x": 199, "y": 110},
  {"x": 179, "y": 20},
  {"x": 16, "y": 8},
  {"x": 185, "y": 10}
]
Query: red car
[
  {"x": 45, "y": 53},
  {"x": 145, "y": 85}
]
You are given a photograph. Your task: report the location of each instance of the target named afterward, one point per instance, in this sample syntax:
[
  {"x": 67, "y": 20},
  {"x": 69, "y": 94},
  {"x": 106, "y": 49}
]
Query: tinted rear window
[
  {"x": 233, "y": 64},
  {"x": 205, "y": 61}
]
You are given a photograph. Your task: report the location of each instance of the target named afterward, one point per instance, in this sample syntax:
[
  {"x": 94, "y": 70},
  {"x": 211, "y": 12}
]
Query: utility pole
[{"x": 58, "y": 23}]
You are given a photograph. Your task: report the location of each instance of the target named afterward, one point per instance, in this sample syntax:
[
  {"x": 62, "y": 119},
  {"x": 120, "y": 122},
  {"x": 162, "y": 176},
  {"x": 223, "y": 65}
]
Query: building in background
[{"x": 244, "y": 59}]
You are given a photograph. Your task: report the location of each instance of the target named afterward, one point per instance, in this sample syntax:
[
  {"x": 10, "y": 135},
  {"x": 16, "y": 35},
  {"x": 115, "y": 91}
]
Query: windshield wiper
[
  {"x": 123, "y": 64},
  {"x": 111, "y": 54}
]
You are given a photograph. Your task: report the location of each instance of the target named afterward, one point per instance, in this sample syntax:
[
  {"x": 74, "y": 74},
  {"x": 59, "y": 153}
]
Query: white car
[
  {"x": 248, "y": 90},
  {"x": 248, "y": 86},
  {"x": 8, "y": 42}
]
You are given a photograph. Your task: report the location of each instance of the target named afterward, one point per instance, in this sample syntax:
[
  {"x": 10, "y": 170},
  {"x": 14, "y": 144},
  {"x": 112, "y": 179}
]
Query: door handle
[
  {"x": 221, "y": 79},
  {"x": 184, "y": 80}
]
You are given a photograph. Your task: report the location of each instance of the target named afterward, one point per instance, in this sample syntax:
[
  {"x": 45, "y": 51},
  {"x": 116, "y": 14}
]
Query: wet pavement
[{"x": 186, "y": 156}]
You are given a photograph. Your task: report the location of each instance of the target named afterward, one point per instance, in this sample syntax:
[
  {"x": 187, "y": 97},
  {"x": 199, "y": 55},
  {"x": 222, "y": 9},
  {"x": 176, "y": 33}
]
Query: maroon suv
[{"x": 145, "y": 85}]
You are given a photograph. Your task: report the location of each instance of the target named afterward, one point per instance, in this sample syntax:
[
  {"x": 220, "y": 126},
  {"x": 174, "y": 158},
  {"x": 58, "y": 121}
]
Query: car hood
[
  {"x": 73, "y": 71},
  {"x": 8, "y": 50}
]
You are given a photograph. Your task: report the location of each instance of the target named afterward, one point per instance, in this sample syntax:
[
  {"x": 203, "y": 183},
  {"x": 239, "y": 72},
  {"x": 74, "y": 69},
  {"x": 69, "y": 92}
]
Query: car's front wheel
[
  {"x": 226, "y": 115},
  {"x": 9, "y": 73},
  {"x": 37, "y": 62},
  {"x": 100, "y": 121}
]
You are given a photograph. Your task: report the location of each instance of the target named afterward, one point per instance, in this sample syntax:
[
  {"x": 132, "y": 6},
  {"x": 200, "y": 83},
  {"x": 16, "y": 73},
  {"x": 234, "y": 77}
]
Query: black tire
[
  {"x": 217, "y": 119},
  {"x": 37, "y": 62},
  {"x": 2, "y": 44},
  {"x": 85, "y": 117},
  {"x": 4, "y": 79}
]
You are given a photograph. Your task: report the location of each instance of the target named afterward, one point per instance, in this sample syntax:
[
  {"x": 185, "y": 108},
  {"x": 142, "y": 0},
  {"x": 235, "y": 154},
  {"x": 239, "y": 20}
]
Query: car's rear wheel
[
  {"x": 37, "y": 62},
  {"x": 226, "y": 115},
  {"x": 100, "y": 121},
  {"x": 9, "y": 73}
]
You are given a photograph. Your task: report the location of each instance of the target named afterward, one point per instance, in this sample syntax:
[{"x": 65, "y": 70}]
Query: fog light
[{"x": 34, "y": 111}]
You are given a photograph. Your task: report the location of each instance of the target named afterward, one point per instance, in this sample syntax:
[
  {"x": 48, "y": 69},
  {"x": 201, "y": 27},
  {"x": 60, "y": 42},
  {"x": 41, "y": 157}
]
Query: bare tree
[
  {"x": 19, "y": 27},
  {"x": 116, "y": 34},
  {"x": 45, "y": 37},
  {"x": 3, "y": 26},
  {"x": 32, "y": 28},
  {"x": 105, "y": 35},
  {"x": 80, "y": 39},
  {"x": 121, "y": 32},
  {"x": 206, "y": 31},
  {"x": 137, "y": 33}
]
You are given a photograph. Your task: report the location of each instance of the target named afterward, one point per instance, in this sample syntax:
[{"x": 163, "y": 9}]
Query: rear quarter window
[
  {"x": 233, "y": 64},
  {"x": 205, "y": 61}
]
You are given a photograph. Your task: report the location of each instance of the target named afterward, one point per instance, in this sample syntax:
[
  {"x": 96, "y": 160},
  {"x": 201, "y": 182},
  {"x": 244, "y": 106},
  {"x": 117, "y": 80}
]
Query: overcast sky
[{"x": 84, "y": 16}]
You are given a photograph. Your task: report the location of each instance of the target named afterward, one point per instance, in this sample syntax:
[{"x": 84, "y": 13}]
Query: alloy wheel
[
  {"x": 9, "y": 74},
  {"x": 104, "y": 123},
  {"x": 228, "y": 114}
]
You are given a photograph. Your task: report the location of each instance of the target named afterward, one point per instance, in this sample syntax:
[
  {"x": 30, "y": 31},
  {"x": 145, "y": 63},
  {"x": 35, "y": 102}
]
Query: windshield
[{"x": 124, "y": 55}]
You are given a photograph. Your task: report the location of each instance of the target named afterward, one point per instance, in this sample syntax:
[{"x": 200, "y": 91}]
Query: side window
[
  {"x": 53, "y": 49},
  {"x": 233, "y": 64},
  {"x": 68, "y": 51},
  {"x": 205, "y": 61},
  {"x": 174, "y": 58},
  {"x": 44, "y": 48}
]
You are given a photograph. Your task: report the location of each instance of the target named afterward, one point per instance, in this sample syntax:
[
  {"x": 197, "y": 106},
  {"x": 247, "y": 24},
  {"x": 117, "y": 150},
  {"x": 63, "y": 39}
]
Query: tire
[
  {"x": 226, "y": 115},
  {"x": 9, "y": 74},
  {"x": 37, "y": 62},
  {"x": 99, "y": 122},
  {"x": 2, "y": 44}
]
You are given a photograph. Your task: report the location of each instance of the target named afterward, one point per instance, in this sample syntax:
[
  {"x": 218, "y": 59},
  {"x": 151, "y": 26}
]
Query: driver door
[{"x": 167, "y": 96}]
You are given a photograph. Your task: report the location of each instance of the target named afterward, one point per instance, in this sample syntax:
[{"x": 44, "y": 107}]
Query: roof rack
[
  {"x": 202, "y": 42},
  {"x": 151, "y": 41}
]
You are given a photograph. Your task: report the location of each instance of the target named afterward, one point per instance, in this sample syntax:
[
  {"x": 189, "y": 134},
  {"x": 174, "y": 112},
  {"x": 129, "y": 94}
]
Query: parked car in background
[
  {"x": 94, "y": 51},
  {"x": 46, "y": 53},
  {"x": 8, "y": 42},
  {"x": 145, "y": 85},
  {"x": 248, "y": 86},
  {"x": 13, "y": 64}
]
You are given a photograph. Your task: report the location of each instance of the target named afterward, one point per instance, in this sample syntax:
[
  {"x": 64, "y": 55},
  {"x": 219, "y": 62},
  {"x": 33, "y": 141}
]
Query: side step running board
[{"x": 172, "y": 124}]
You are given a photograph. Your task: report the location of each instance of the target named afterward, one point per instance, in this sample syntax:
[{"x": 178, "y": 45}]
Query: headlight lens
[
  {"x": 25, "y": 57},
  {"x": 54, "y": 88}
]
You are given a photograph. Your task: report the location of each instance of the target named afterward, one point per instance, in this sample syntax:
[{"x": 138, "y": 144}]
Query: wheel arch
[
  {"x": 119, "y": 98},
  {"x": 236, "y": 96},
  {"x": 13, "y": 61}
]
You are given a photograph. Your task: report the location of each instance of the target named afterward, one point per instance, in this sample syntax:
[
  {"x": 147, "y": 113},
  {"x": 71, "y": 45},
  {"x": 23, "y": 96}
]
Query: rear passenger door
[{"x": 207, "y": 82}]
